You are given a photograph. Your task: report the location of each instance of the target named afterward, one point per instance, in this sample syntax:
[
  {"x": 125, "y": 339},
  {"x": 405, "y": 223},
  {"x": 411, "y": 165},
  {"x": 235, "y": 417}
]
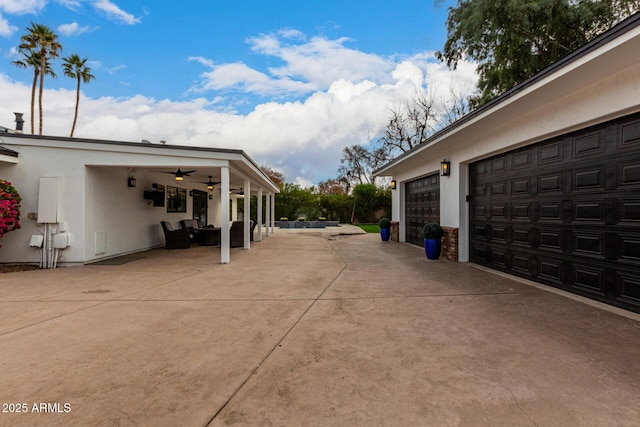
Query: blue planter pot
[
  {"x": 432, "y": 248},
  {"x": 385, "y": 233}
]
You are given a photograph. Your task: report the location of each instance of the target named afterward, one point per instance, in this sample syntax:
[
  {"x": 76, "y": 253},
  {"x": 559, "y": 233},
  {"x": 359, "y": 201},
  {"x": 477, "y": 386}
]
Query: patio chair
[
  {"x": 175, "y": 239},
  {"x": 192, "y": 226},
  {"x": 236, "y": 234}
]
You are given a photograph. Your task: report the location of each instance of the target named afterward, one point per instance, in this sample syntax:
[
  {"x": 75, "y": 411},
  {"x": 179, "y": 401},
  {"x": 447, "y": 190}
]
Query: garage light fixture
[
  {"x": 445, "y": 168},
  {"x": 393, "y": 184}
]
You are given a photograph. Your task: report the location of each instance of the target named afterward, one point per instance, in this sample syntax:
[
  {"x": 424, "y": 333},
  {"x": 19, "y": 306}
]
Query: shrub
[
  {"x": 432, "y": 230},
  {"x": 9, "y": 208},
  {"x": 384, "y": 223}
]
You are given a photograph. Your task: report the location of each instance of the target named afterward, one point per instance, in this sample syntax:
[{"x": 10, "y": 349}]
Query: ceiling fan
[
  {"x": 210, "y": 184},
  {"x": 180, "y": 174}
]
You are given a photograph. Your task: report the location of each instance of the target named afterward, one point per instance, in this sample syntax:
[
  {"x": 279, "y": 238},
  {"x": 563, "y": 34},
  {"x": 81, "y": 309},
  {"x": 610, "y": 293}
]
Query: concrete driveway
[{"x": 308, "y": 330}]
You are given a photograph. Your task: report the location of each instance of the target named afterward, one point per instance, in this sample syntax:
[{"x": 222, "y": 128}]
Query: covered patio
[{"x": 109, "y": 197}]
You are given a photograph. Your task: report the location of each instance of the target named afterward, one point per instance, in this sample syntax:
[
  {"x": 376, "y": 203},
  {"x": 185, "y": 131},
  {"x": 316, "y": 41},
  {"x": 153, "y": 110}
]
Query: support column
[
  {"x": 267, "y": 213},
  {"x": 259, "y": 219},
  {"x": 247, "y": 213},
  {"x": 225, "y": 242},
  {"x": 273, "y": 212}
]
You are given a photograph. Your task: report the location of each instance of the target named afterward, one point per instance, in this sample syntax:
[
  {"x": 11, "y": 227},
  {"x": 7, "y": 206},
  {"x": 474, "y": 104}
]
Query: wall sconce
[
  {"x": 393, "y": 184},
  {"x": 131, "y": 182},
  {"x": 190, "y": 193},
  {"x": 445, "y": 168}
]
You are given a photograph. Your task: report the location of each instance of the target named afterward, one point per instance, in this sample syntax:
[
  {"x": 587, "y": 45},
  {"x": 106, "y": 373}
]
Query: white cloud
[
  {"x": 6, "y": 29},
  {"x": 21, "y": 7},
  {"x": 308, "y": 66},
  {"x": 70, "y": 4},
  {"x": 72, "y": 29},
  {"x": 303, "y": 138},
  {"x": 323, "y": 61},
  {"x": 114, "y": 12},
  {"x": 242, "y": 78}
]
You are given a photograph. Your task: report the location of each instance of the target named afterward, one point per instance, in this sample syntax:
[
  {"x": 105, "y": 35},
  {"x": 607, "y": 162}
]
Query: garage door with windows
[
  {"x": 564, "y": 212},
  {"x": 422, "y": 205}
]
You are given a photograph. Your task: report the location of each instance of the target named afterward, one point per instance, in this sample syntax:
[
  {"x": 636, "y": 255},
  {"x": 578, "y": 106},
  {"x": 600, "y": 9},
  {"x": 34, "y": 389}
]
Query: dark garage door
[
  {"x": 564, "y": 212},
  {"x": 422, "y": 205}
]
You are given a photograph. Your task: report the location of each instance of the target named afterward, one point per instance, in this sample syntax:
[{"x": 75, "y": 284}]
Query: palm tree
[
  {"x": 41, "y": 39},
  {"x": 31, "y": 59},
  {"x": 75, "y": 68}
]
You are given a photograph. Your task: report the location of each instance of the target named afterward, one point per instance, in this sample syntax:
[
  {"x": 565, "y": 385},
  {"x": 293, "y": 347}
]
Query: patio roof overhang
[
  {"x": 6, "y": 155},
  {"x": 160, "y": 158}
]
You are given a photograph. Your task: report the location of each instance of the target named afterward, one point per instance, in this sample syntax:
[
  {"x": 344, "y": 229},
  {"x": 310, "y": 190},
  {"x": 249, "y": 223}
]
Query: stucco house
[
  {"x": 98, "y": 199},
  {"x": 544, "y": 181}
]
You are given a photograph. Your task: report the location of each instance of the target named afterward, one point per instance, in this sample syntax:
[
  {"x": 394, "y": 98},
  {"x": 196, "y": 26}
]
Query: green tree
[
  {"x": 31, "y": 59},
  {"x": 41, "y": 39},
  {"x": 365, "y": 201},
  {"x": 76, "y": 68},
  {"x": 336, "y": 206},
  {"x": 293, "y": 201},
  {"x": 512, "y": 40}
]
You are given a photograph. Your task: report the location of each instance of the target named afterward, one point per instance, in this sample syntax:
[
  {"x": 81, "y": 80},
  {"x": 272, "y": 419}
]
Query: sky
[{"x": 289, "y": 82}]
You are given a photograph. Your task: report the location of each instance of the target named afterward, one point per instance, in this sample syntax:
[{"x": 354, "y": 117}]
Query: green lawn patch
[{"x": 369, "y": 228}]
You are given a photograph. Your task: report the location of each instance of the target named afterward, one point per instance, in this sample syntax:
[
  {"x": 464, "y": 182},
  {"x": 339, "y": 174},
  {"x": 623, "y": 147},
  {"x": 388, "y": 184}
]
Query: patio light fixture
[
  {"x": 179, "y": 176},
  {"x": 445, "y": 168},
  {"x": 210, "y": 184},
  {"x": 393, "y": 184},
  {"x": 131, "y": 182}
]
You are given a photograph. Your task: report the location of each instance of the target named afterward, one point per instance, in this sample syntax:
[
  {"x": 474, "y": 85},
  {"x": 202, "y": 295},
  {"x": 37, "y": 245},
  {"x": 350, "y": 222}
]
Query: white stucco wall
[{"x": 25, "y": 177}]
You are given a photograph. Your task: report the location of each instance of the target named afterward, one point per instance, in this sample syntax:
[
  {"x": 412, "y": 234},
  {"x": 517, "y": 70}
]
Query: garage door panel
[
  {"x": 550, "y": 153},
  {"x": 589, "y": 280},
  {"x": 422, "y": 205},
  {"x": 628, "y": 286},
  {"x": 630, "y": 134},
  {"x": 588, "y": 145},
  {"x": 564, "y": 212}
]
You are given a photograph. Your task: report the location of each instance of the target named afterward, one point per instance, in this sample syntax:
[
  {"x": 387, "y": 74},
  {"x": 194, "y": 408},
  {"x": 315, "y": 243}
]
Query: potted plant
[
  {"x": 385, "y": 228},
  {"x": 432, "y": 234}
]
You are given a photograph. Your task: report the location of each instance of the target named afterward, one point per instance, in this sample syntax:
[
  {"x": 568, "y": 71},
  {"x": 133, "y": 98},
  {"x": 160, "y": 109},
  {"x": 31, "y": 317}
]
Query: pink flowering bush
[{"x": 9, "y": 208}]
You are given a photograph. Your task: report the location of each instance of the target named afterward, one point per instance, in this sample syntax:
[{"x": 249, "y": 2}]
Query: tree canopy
[{"x": 513, "y": 40}]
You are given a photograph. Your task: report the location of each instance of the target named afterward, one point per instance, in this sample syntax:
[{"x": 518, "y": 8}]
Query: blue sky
[{"x": 290, "y": 82}]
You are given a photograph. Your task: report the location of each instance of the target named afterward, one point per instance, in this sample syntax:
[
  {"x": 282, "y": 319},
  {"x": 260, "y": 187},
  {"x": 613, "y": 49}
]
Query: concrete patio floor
[{"x": 309, "y": 329}]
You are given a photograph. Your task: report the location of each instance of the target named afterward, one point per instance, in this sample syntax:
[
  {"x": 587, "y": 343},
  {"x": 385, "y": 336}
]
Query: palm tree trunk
[
  {"x": 33, "y": 99},
  {"x": 42, "y": 70},
  {"x": 75, "y": 117}
]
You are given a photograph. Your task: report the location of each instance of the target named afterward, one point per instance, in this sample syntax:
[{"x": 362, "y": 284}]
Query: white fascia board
[{"x": 8, "y": 159}]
